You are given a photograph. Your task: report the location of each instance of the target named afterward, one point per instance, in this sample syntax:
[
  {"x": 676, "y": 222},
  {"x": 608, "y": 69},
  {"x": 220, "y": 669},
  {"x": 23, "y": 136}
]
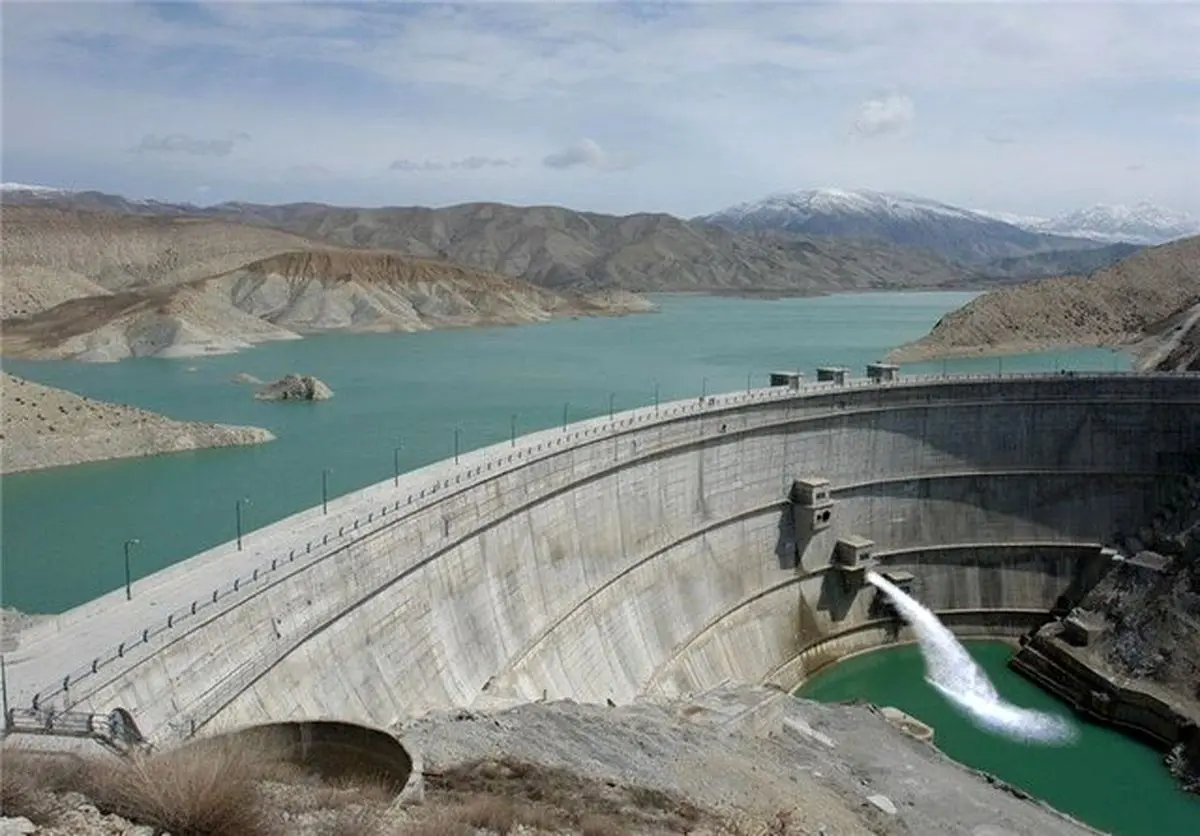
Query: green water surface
[
  {"x": 63, "y": 529},
  {"x": 1105, "y": 778}
]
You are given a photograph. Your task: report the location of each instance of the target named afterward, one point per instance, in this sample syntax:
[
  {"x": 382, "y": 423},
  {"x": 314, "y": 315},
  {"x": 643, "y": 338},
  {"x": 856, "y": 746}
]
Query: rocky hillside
[
  {"x": 48, "y": 427},
  {"x": 51, "y": 255},
  {"x": 1120, "y": 305},
  {"x": 383, "y": 291},
  {"x": 103, "y": 286},
  {"x": 562, "y": 249},
  {"x": 1058, "y": 262},
  {"x": 735, "y": 762},
  {"x": 559, "y": 248},
  {"x": 1173, "y": 345}
]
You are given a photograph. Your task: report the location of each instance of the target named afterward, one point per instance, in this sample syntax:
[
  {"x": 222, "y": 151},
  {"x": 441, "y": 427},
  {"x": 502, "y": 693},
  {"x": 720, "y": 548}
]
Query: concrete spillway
[{"x": 658, "y": 551}]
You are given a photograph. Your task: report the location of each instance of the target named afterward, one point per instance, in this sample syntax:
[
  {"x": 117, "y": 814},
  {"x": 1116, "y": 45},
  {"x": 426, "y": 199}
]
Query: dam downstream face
[
  {"x": 662, "y": 552},
  {"x": 1105, "y": 778}
]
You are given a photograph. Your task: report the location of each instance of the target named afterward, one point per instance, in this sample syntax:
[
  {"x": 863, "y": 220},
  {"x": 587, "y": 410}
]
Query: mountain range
[
  {"x": 1143, "y": 223},
  {"x": 96, "y": 276},
  {"x": 561, "y": 249},
  {"x": 992, "y": 242},
  {"x": 802, "y": 242},
  {"x": 102, "y": 286}
]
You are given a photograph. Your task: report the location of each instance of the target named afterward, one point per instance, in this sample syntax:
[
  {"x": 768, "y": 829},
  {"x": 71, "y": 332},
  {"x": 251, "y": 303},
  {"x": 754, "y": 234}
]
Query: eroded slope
[
  {"x": 102, "y": 287},
  {"x": 1115, "y": 306}
]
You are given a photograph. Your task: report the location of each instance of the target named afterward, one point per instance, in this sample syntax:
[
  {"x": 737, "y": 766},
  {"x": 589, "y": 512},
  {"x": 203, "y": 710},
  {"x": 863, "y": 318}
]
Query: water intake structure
[{"x": 957, "y": 677}]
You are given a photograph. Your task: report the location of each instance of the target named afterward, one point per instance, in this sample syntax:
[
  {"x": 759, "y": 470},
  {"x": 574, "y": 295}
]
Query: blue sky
[{"x": 615, "y": 107}]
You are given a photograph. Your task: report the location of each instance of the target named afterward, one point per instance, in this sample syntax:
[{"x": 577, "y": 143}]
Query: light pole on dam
[{"x": 128, "y": 578}]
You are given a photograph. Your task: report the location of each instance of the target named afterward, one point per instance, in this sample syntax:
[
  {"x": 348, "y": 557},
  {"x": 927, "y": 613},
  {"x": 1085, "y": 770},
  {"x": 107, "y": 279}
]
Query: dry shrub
[
  {"x": 355, "y": 821},
  {"x": 445, "y": 823},
  {"x": 539, "y": 817},
  {"x": 27, "y": 779},
  {"x": 563, "y": 796},
  {"x": 189, "y": 793},
  {"x": 489, "y": 812},
  {"x": 20, "y": 796},
  {"x": 593, "y": 825}
]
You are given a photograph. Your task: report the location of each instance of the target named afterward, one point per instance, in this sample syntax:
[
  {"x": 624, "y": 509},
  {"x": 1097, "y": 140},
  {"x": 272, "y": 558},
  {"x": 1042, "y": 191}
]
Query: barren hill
[
  {"x": 562, "y": 249},
  {"x": 51, "y": 255},
  {"x": 373, "y": 290},
  {"x": 103, "y": 286},
  {"x": 48, "y": 427},
  {"x": 1120, "y": 305}
]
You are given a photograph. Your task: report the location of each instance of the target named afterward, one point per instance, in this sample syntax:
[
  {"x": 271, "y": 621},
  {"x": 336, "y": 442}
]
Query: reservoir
[
  {"x": 407, "y": 399},
  {"x": 1106, "y": 779}
]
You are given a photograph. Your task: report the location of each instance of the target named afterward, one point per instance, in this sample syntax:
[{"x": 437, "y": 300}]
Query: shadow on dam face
[{"x": 332, "y": 750}]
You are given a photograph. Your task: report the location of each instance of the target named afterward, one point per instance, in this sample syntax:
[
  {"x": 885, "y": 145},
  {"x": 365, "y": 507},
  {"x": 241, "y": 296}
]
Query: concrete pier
[{"x": 661, "y": 551}]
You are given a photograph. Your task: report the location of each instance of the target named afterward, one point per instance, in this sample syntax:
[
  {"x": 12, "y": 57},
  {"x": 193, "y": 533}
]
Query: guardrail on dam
[{"x": 661, "y": 550}]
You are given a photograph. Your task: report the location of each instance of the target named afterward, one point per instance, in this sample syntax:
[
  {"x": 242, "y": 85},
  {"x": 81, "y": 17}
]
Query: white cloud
[
  {"x": 888, "y": 114},
  {"x": 587, "y": 153},
  {"x": 472, "y": 163},
  {"x": 183, "y": 144},
  {"x": 1023, "y": 107}
]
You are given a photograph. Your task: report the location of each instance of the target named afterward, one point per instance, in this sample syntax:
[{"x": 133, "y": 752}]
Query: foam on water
[{"x": 956, "y": 676}]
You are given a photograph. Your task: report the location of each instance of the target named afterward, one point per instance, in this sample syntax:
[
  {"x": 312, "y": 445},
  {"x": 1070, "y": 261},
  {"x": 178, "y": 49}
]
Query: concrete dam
[{"x": 659, "y": 551}]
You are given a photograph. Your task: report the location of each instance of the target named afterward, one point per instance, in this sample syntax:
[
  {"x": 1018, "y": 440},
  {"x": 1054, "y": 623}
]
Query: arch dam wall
[{"x": 659, "y": 553}]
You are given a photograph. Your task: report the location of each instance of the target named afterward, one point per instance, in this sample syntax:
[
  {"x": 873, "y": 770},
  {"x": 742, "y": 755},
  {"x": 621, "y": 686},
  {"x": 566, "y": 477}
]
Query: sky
[{"x": 619, "y": 107}]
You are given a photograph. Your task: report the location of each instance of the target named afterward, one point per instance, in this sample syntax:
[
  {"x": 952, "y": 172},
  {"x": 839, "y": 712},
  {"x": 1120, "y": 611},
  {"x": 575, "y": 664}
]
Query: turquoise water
[
  {"x": 63, "y": 529},
  {"x": 1106, "y": 779}
]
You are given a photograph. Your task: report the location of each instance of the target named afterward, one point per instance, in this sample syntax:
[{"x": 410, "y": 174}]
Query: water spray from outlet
[{"x": 957, "y": 677}]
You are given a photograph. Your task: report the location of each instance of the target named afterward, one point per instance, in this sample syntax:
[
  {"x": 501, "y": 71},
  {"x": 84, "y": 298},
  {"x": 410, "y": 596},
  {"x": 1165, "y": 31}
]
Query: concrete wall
[
  {"x": 335, "y": 751},
  {"x": 659, "y": 555}
]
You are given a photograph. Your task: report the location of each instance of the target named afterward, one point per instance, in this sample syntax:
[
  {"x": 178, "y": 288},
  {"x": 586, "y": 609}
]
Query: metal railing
[{"x": 500, "y": 458}]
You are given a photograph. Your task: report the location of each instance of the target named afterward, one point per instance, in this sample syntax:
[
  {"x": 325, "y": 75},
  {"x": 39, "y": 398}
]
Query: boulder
[{"x": 295, "y": 387}]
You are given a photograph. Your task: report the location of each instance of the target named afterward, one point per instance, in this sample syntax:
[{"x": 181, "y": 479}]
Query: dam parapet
[{"x": 652, "y": 552}]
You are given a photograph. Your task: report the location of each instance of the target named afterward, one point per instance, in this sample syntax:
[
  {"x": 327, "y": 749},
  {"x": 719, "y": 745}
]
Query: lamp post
[
  {"x": 748, "y": 377},
  {"x": 566, "y": 407},
  {"x": 656, "y": 397},
  {"x": 611, "y": 398},
  {"x": 128, "y": 578},
  {"x": 325, "y": 490},
  {"x": 396, "y": 465},
  {"x": 238, "y": 508},
  {"x": 456, "y": 445},
  {"x": 704, "y": 389},
  {"x": 512, "y": 429}
]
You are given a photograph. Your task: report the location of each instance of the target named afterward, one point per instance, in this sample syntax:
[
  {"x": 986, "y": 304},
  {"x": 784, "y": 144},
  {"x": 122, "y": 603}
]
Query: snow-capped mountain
[
  {"x": 31, "y": 190},
  {"x": 961, "y": 235},
  {"x": 23, "y": 193},
  {"x": 1142, "y": 223}
]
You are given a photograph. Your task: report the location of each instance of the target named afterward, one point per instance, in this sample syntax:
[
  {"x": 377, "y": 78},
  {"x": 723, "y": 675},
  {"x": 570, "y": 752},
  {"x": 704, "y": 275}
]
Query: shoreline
[
  {"x": 46, "y": 427},
  {"x": 115, "y": 352},
  {"x": 920, "y": 352}
]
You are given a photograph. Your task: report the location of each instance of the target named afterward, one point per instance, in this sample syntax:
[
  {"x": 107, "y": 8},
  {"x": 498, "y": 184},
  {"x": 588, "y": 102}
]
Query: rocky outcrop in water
[{"x": 295, "y": 387}]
